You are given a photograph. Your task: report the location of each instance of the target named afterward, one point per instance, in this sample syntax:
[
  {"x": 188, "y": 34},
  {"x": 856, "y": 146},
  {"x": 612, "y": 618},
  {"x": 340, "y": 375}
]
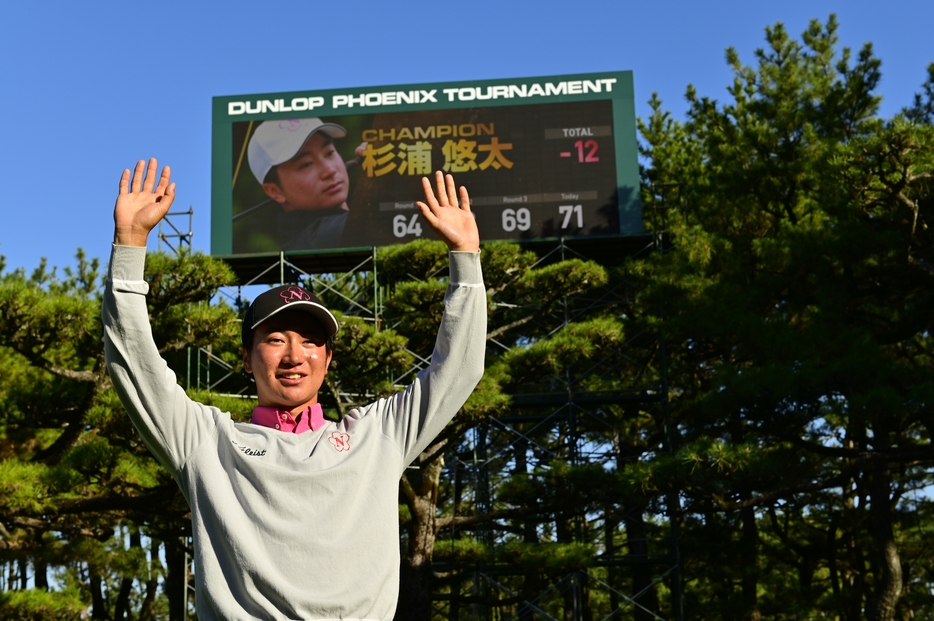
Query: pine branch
[
  {"x": 509, "y": 326},
  {"x": 484, "y": 518},
  {"x": 893, "y": 455},
  {"x": 39, "y": 361},
  {"x": 766, "y": 499},
  {"x": 105, "y": 504},
  {"x": 74, "y": 427},
  {"x": 341, "y": 408},
  {"x": 41, "y": 525}
]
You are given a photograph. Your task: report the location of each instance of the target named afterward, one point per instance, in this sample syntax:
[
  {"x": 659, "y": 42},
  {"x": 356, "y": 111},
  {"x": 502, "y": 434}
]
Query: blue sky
[{"x": 89, "y": 88}]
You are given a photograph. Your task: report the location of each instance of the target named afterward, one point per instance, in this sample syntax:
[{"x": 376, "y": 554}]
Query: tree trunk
[
  {"x": 420, "y": 492},
  {"x": 643, "y": 592},
  {"x": 636, "y": 543},
  {"x": 146, "y": 611},
  {"x": 564, "y": 533},
  {"x": 122, "y": 605},
  {"x": 610, "y": 525},
  {"x": 853, "y": 581},
  {"x": 584, "y": 612},
  {"x": 176, "y": 580},
  {"x": 455, "y": 604},
  {"x": 42, "y": 574},
  {"x": 531, "y": 581},
  {"x": 98, "y": 605},
  {"x": 23, "y": 565},
  {"x": 414, "y": 593},
  {"x": 749, "y": 556},
  {"x": 888, "y": 564},
  {"x": 834, "y": 577}
]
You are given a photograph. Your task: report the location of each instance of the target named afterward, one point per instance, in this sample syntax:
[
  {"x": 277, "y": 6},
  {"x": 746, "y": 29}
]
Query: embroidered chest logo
[
  {"x": 340, "y": 441},
  {"x": 246, "y": 450}
]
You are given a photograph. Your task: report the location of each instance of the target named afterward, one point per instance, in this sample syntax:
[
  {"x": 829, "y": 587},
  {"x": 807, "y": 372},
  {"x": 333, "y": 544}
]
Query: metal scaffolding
[
  {"x": 572, "y": 424},
  {"x": 170, "y": 233},
  {"x": 636, "y": 571}
]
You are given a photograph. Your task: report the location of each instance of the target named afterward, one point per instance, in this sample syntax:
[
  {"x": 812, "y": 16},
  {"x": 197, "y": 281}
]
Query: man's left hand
[{"x": 454, "y": 223}]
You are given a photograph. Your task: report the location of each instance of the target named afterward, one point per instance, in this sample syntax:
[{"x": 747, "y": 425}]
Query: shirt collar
[{"x": 311, "y": 418}]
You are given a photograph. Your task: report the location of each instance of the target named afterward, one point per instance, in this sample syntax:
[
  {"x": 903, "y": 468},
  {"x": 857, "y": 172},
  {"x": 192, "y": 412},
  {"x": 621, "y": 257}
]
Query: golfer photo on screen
[{"x": 305, "y": 182}]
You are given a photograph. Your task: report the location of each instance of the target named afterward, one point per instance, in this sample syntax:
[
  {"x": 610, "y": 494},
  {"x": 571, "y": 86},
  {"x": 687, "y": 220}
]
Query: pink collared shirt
[{"x": 311, "y": 418}]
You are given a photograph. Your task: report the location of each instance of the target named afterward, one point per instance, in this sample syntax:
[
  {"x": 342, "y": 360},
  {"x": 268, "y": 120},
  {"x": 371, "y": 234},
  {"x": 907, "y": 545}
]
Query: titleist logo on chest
[
  {"x": 246, "y": 450},
  {"x": 339, "y": 440}
]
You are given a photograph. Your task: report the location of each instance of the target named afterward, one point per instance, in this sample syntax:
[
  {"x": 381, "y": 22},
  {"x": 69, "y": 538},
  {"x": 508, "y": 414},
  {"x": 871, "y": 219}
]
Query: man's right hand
[{"x": 140, "y": 207}]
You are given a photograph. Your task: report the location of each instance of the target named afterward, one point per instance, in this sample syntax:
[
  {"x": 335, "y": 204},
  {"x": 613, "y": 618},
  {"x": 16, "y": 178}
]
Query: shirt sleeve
[
  {"x": 171, "y": 424},
  {"x": 415, "y": 416}
]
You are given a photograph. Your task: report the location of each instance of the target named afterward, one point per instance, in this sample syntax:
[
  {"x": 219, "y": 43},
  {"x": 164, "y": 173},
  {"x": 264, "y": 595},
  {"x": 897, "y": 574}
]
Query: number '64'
[{"x": 402, "y": 226}]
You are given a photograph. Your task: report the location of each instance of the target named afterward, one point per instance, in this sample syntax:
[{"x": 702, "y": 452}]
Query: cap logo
[
  {"x": 291, "y": 125},
  {"x": 294, "y": 294}
]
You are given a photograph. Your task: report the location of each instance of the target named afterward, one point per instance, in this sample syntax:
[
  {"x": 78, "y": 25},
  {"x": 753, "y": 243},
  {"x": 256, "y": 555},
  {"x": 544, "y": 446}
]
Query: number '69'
[{"x": 516, "y": 219}]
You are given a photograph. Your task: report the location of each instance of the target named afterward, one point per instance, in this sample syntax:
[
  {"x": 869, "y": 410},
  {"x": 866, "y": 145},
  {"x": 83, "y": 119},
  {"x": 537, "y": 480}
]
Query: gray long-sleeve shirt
[{"x": 292, "y": 526}]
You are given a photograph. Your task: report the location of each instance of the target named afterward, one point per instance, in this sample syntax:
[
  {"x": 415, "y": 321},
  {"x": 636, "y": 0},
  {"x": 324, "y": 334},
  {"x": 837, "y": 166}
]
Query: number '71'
[{"x": 567, "y": 211}]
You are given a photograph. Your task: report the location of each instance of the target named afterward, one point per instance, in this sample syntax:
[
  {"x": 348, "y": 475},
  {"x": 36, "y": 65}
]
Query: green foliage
[
  {"x": 797, "y": 309},
  {"x": 72, "y": 468},
  {"x": 21, "y": 487},
  {"x": 38, "y": 605},
  {"x": 415, "y": 309},
  {"x": 418, "y": 260},
  {"x": 240, "y": 408},
  {"x": 366, "y": 361},
  {"x": 785, "y": 332},
  {"x": 463, "y": 552},
  {"x": 187, "y": 278},
  {"x": 487, "y": 399},
  {"x": 504, "y": 264},
  {"x": 923, "y": 109},
  {"x": 568, "y": 347},
  {"x": 552, "y": 558}
]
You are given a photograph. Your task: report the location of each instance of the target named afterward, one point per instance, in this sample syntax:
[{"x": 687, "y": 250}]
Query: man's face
[
  {"x": 315, "y": 178},
  {"x": 288, "y": 360}
]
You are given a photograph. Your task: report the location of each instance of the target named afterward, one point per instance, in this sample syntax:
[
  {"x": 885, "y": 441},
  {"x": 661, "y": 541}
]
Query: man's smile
[{"x": 290, "y": 376}]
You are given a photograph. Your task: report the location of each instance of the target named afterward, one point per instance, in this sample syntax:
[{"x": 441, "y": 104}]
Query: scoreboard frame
[{"x": 539, "y": 123}]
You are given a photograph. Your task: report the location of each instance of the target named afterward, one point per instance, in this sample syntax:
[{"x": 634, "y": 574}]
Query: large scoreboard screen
[{"x": 542, "y": 158}]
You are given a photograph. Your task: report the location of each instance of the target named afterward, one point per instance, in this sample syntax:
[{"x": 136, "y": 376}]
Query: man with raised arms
[{"x": 293, "y": 516}]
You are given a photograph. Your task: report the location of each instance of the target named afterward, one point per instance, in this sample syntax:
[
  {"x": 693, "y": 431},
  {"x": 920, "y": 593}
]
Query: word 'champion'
[{"x": 433, "y": 131}]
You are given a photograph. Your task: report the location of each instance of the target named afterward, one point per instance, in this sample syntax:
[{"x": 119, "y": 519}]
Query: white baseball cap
[{"x": 275, "y": 142}]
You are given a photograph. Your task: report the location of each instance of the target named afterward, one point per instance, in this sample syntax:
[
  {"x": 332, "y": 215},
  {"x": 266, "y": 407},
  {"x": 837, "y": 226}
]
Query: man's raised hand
[
  {"x": 454, "y": 224},
  {"x": 141, "y": 203}
]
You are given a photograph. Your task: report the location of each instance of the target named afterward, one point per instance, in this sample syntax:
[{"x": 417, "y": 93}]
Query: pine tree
[
  {"x": 80, "y": 491},
  {"x": 797, "y": 306}
]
